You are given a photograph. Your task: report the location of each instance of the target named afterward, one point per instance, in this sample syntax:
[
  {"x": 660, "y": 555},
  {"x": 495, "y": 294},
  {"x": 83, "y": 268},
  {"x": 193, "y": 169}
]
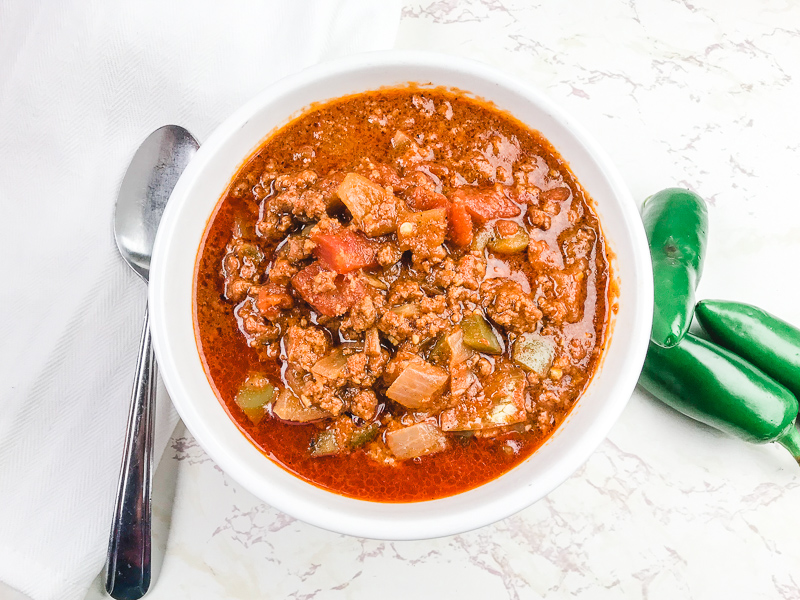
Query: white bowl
[{"x": 196, "y": 196}]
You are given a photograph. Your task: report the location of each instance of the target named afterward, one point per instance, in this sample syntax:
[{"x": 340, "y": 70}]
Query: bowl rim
[{"x": 367, "y": 525}]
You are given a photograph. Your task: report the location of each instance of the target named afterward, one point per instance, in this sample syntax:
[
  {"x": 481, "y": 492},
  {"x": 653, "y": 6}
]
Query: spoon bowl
[{"x": 145, "y": 189}]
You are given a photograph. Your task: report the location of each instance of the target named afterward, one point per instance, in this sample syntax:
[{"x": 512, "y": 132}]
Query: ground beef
[
  {"x": 241, "y": 268},
  {"x": 362, "y": 315},
  {"x": 298, "y": 248},
  {"x": 470, "y": 271},
  {"x": 389, "y": 254},
  {"x": 461, "y": 301},
  {"x": 441, "y": 276},
  {"x": 322, "y": 392},
  {"x": 364, "y": 404},
  {"x": 363, "y": 370},
  {"x": 281, "y": 271},
  {"x": 509, "y": 306},
  {"x": 563, "y": 293},
  {"x": 539, "y": 218},
  {"x": 380, "y": 173},
  {"x": 251, "y": 323},
  {"x": 298, "y": 196},
  {"x": 305, "y": 346},
  {"x": 272, "y": 300},
  {"x": 543, "y": 255},
  {"x": 396, "y": 327},
  {"x": 404, "y": 291},
  {"x": 577, "y": 244}
]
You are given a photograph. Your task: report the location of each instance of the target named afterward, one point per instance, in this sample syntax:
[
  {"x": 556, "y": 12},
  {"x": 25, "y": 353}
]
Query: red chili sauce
[{"x": 414, "y": 284}]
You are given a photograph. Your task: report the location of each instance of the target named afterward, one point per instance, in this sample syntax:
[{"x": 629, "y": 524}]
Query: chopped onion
[
  {"x": 295, "y": 380},
  {"x": 332, "y": 365},
  {"x": 372, "y": 342},
  {"x": 409, "y": 310},
  {"x": 511, "y": 244},
  {"x": 374, "y": 281},
  {"x": 289, "y": 408},
  {"x": 534, "y": 353},
  {"x": 503, "y": 404},
  {"x": 374, "y": 208},
  {"x": 418, "y": 384},
  {"x": 401, "y": 360},
  {"x": 450, "y": 349},
  {"x": 401, "y": 141},
  {"x": 417, "y": 440},
  {"x": 458, "y": 351},
  {"x": 480, "y": 240}
]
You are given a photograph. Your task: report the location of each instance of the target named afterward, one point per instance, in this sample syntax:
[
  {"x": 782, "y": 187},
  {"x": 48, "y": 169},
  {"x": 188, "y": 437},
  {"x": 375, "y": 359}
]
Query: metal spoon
[{"x": 144, "y": 192}]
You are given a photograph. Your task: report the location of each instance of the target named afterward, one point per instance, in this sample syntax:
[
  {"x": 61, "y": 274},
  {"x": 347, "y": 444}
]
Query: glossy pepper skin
[
  {"x": 676, "y": 223},
  {"x": 714, "y": 386},
  {"x": 771, "y": 344}
]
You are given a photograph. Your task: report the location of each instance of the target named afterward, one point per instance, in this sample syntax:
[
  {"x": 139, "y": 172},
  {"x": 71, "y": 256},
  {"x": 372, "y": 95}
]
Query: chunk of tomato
[
  {"x": 459, "y": 225},
  {"x": 422, "y": 198},
  {"x": 486, "y": 205},
  {"x": 344, "y": 250}
]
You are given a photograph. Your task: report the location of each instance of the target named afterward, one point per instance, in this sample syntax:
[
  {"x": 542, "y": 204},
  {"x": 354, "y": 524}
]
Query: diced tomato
[
  {"x": 326, "y": 291},
  {"x": 506, "y": 228},
  {"x": 485, "y": 205},
  {"x": 558, "y": 194},
  {"x": 344, "y": 250},
  {"x": 422, "y": 198},
  {"x": 459, "y": 223},
  {"x": 271, "y": 299}
]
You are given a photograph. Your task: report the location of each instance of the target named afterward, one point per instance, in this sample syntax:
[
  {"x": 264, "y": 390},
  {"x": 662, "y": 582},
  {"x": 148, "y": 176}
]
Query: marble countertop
[{"x": 697, "y": 93}]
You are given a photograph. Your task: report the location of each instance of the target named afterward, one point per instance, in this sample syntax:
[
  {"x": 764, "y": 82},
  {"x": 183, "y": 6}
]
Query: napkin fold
[{"x": 82, "y": 83}]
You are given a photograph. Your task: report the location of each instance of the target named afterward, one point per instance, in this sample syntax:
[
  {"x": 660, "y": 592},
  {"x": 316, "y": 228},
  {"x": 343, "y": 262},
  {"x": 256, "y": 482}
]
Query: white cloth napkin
[{"x": 82, "y": 83}]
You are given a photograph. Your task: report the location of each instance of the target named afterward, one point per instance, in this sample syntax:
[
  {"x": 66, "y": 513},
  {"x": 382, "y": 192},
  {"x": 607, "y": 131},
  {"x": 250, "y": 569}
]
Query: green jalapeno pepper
[
  {"x": 676, "y": 223},
  {"x": 771, "y": 344},
  {"x": 714, "y": 386}
]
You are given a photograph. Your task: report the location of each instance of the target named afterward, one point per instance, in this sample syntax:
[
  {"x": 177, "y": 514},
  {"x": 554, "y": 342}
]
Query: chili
[
  {"x": 771, "y": 344},
  {"x": 715, "y": 386},
  {"x": 421, "y": 281},
  {"x": 676, "y": 222}
]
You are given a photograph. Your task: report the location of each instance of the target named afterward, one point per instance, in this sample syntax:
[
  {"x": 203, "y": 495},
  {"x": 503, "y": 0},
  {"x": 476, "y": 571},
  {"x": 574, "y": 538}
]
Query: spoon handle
[{"x": 128, "y": 562}]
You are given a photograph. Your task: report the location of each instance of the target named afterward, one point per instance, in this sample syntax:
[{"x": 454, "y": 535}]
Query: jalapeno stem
[{"x": 791, "y": 441}]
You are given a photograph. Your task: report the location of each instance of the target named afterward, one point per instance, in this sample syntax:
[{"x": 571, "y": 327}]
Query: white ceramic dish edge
[{"x": 181, "y": 230}]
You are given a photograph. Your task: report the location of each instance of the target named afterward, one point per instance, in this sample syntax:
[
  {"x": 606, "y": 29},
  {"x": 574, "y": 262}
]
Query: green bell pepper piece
[
  {"x": 364, "y": 435},
  {"x": 324, "y": 443},
  {"x": 253, "y": 397},
  {"x": 478, "y": 335}
]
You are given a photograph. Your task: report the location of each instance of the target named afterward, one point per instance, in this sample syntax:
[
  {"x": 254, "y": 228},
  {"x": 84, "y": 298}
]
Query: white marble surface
[{"x": 701, "y": 93}]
